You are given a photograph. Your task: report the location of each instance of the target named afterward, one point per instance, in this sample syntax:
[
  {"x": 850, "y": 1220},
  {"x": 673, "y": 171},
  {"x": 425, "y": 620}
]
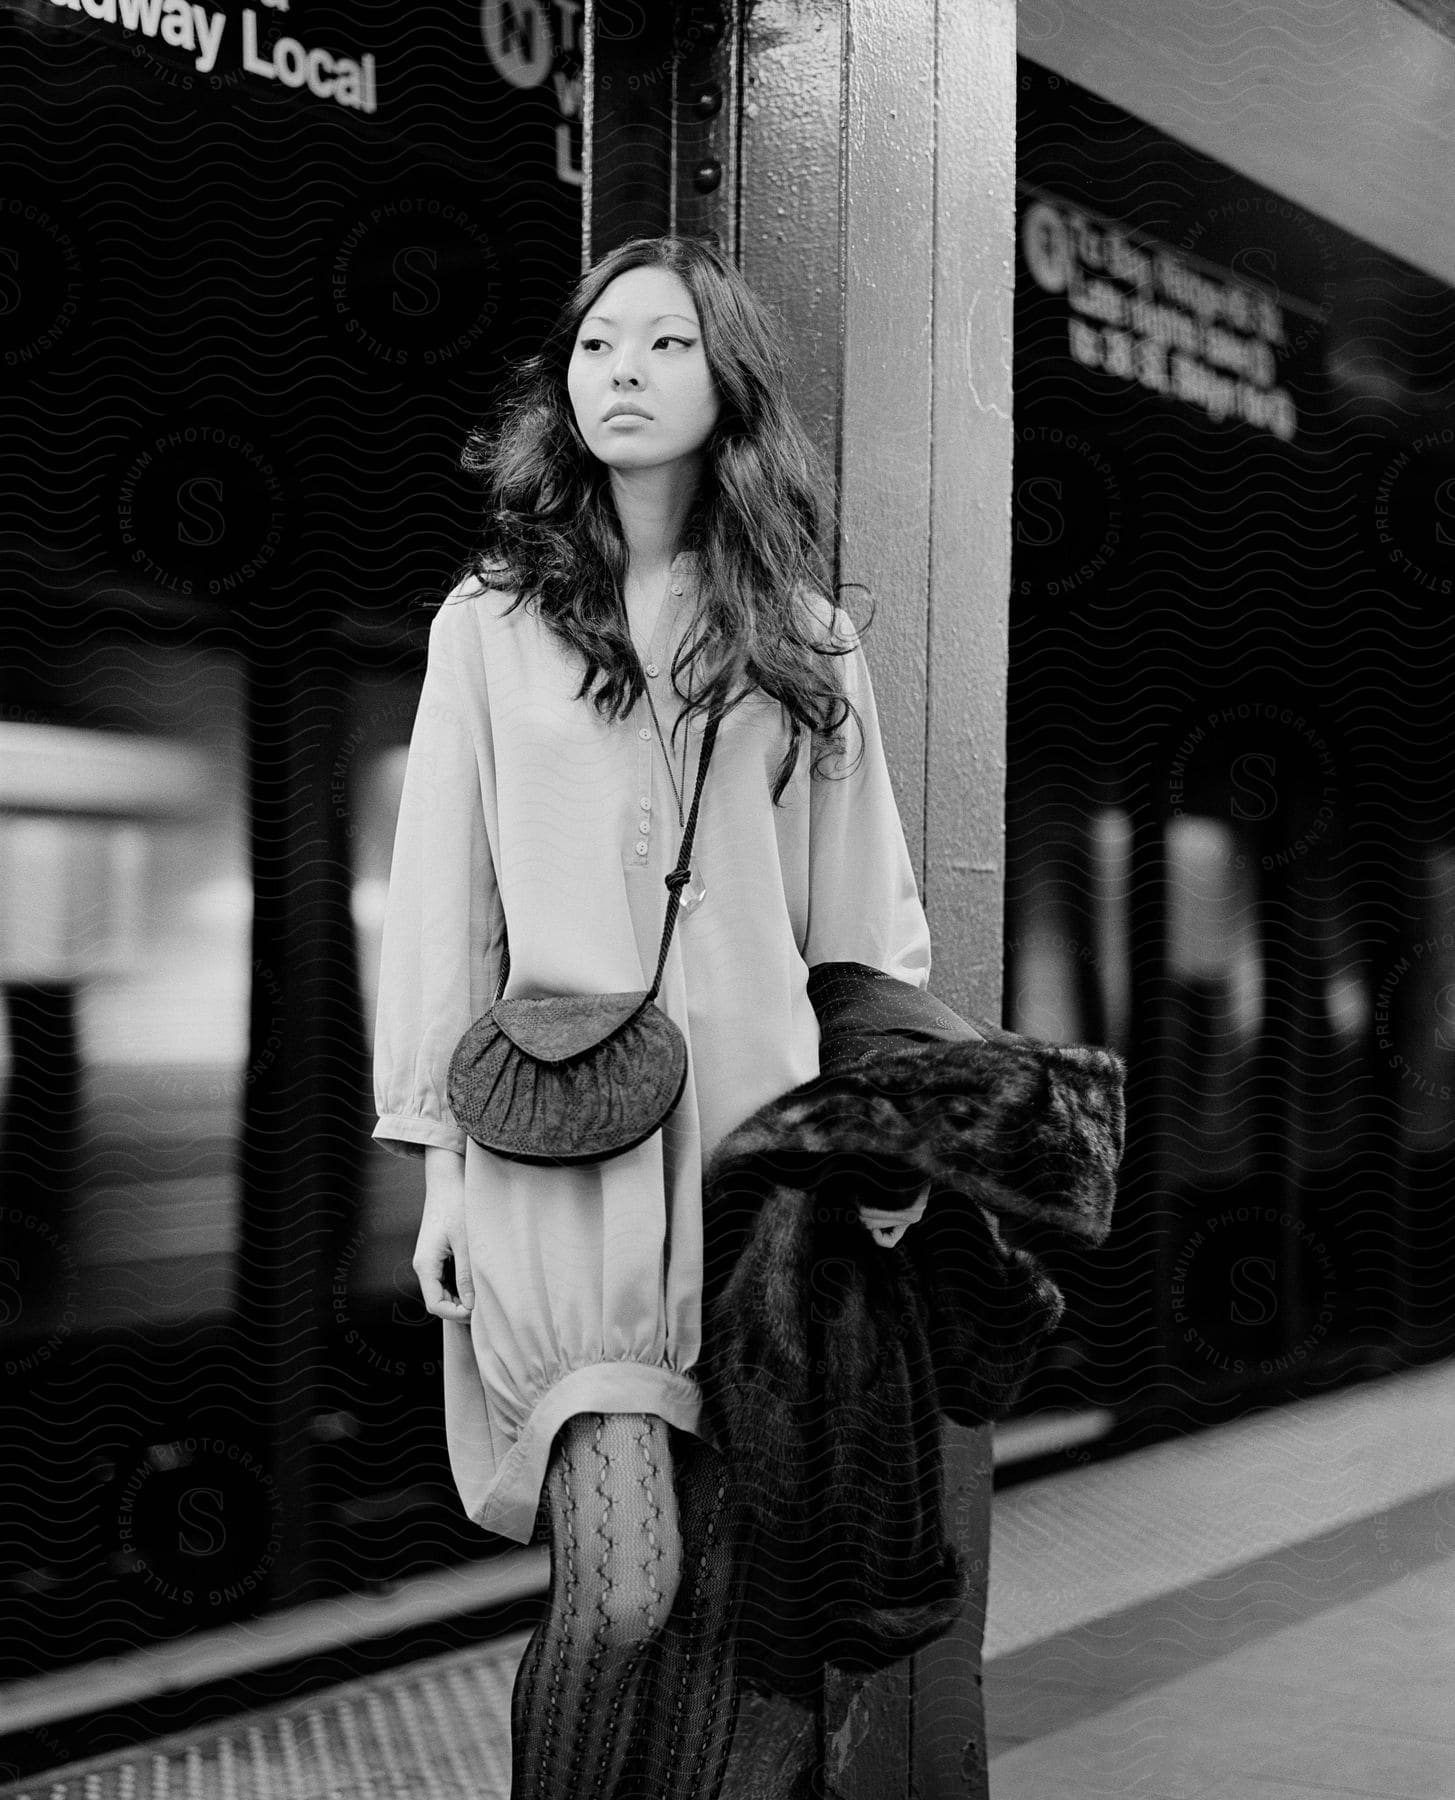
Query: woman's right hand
[{"x": 442, "y": 1251}]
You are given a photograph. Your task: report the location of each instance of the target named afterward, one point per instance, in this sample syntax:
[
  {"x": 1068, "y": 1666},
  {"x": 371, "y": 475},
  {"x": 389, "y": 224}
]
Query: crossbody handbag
[{"x": 576, "y": 1078}]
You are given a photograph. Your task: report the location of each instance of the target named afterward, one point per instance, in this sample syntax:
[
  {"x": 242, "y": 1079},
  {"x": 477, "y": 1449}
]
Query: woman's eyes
[{"x": 666, "y": 338}]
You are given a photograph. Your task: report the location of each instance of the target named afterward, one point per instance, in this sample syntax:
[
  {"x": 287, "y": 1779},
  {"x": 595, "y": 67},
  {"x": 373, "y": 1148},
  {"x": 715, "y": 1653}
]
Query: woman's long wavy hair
[{"x": 552, "y": 535}]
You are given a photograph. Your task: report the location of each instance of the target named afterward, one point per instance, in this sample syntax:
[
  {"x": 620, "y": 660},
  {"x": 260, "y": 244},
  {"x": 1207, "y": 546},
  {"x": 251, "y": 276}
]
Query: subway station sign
[
  {"x": 253, "y": 45},
  {"x": 529, "y": 44},
  {"x": 1140, "y": 311},
  {"x": 529, "y": 52}
]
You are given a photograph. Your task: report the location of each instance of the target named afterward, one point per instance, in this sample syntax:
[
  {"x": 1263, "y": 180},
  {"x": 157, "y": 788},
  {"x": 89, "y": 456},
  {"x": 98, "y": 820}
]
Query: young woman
[{"x": 651, "y": 553}]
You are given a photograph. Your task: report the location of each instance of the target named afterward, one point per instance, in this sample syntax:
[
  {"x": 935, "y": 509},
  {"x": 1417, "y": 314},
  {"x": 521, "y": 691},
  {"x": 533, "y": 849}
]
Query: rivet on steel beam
[
  {"x": 707, "y": 176},
  {"x": 708, "y": 103}
]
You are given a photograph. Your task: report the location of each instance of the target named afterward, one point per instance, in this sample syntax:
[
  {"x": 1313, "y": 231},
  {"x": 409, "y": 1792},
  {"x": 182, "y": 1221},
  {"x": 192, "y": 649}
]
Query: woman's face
[{"x": 638, "y": 379}]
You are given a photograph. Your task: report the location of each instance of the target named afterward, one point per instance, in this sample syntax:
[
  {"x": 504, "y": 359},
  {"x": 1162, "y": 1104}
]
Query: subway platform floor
[{"x": 1261, "y": 1611}]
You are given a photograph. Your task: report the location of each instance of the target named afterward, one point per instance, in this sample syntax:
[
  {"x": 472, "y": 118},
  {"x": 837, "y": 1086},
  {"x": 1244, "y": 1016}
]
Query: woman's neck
[{"x": 653, "y": 507}]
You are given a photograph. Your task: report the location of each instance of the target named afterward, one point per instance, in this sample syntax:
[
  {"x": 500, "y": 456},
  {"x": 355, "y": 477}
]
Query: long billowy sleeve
[
  {"x": 864, "y": 904},
  {"x": 443, "y": 925}
]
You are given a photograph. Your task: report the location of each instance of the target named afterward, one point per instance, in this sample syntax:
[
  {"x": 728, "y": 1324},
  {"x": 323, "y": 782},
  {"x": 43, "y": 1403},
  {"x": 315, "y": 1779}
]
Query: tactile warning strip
[{"x": 433, "y": 1731}]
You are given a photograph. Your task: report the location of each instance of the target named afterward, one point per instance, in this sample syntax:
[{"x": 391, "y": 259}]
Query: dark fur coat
[{"x": 829, "y": 1359}]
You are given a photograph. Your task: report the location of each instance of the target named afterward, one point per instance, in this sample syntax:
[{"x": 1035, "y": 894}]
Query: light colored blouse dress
[{"x": 521, "y": 803}]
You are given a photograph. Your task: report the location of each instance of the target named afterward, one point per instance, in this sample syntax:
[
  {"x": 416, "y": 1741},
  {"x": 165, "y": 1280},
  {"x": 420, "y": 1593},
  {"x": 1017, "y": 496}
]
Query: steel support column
[
  {"x": 663, "y": 93},
  {"x": 877, "y": 218}
]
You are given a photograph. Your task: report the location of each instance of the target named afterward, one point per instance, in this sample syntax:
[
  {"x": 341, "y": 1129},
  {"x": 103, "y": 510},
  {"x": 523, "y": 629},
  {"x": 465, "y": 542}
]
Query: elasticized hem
[
  {"x": 411, "y": 1134},
  {"x": 513, "y": 1499}
]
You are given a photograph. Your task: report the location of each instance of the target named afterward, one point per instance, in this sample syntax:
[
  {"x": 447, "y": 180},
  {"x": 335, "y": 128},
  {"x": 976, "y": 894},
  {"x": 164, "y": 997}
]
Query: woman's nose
[{"x": 625, "y": 372}]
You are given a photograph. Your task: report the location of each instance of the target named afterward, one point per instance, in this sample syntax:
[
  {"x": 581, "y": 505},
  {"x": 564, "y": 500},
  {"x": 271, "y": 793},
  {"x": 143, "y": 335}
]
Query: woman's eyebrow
[{"x": 602, "y": 319}]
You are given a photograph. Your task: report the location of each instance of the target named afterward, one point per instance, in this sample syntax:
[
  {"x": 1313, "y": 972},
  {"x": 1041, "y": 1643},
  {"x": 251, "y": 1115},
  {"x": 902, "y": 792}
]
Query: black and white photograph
[{"x": 727, "y": 900}]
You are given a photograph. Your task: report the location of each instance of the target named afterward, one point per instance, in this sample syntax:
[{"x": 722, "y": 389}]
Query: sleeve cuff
[{"x": 409, "y": 1134}]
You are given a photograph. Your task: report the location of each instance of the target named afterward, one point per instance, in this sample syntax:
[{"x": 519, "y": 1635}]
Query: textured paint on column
[
  {"x": 970, "y": 547},
  {"x": 791, "y": 250},
  {"x": 889, "y": 227},
  {"x": 878, "y": 161}
]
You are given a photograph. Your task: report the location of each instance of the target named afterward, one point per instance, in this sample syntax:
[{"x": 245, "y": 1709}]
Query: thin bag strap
[
  {"x": 678, "y": 879},
  {"x": 675, "y": 882}
]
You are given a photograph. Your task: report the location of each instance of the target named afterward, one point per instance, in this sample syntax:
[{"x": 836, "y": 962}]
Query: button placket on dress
[
  {"x": 646, "y": 770},
  {"x": 642, "y": 824}
]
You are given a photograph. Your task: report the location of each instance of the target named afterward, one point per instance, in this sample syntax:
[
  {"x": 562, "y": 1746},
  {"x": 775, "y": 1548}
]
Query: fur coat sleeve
[{"x": 828, "y": 1360}]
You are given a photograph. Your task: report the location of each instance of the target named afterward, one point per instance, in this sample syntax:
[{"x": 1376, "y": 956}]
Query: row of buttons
[{"x": 644, "y": 824}]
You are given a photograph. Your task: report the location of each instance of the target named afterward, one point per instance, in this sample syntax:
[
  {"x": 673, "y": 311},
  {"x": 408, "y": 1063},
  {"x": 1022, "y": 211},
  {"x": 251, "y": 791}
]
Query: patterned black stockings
[{"x": 626, "y": 1690}]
